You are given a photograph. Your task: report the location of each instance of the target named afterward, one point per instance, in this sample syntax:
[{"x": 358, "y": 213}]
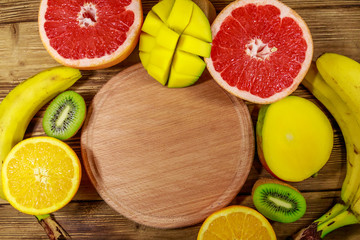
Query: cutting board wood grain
[{"x": 166, "y": 157}]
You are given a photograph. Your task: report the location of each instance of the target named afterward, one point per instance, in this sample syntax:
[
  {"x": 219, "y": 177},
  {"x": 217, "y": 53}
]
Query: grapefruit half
[
  {"x": 90, "y": 34},
  {"x": 261, "y": 50}
]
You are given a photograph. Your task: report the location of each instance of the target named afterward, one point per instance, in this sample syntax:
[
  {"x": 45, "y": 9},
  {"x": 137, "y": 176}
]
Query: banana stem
[
  {"x": 52, "y": 228},
  {"x": 338, "y": 216},
  {"x": 333, "y": 212},
  {"x": 343, "y": 219}
]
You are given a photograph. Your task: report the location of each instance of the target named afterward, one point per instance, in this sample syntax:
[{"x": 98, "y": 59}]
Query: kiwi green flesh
[
  {"x": 279, "y": 203},
  {"x": 65, "y": 115}
]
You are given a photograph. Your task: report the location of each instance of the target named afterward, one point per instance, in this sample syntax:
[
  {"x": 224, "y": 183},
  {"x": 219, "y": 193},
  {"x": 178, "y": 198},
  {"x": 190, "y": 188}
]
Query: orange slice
[
  {"x": 236, "y": 223},
  {"x": 40, "y": 175}
]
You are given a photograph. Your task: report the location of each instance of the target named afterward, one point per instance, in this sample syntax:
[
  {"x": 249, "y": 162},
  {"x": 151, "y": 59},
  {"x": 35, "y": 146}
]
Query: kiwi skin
[
  {"x": 285, "y": 193},
  {"x": 75, "y": 116}
]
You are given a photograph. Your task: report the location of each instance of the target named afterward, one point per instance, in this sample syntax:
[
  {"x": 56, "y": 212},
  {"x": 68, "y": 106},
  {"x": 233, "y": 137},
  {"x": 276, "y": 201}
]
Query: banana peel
[{"x": 19, "y": 107}]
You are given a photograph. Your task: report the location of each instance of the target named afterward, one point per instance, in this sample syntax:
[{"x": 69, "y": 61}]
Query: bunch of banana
[
  {"x": 22, "y": 103},
  {"x": 335, "y": 82}
]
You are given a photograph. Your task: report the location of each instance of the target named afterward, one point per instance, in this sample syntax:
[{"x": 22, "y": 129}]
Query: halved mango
[
  {"x": 163, "y": 9},
  {"x": 179, "y": 80},
  {"x": 188, "y": 64},
  {"x": 166, "y": 52},
  {"x": 158, "y": 73},
  {"x": 152, "y": 24},
  {"x": 167, "y": 38},
  {"x": 180, "y": 15},
  {"x": 147, "y": 42},
  {"x": 194, "y": 45},
  {"x": 294, "y": 138},
  {"x": 161, "y": 57},
  {"x": 144, "y": 58},
  {"x": 197, "y": 27}
]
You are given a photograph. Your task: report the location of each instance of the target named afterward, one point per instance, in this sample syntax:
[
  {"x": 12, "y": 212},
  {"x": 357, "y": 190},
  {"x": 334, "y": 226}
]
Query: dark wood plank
[
  {"x": 12, "y": 11},
  {"x": 96, "y": 220},
  {"x": 335, "y": 26}
]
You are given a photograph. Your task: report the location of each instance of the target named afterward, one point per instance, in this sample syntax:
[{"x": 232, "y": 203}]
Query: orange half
[
  {"x": 40, "y": 175},
  {"x": 236, "y": 223}
]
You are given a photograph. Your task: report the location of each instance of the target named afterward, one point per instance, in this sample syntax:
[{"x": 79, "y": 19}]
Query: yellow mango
[
  {"x": 147, "y": 42},
  {"x": 194, "y": 45},
  {"x": 175, "y": 35},
  {"x": 144, "y": 58},
  {"x": 152, "y": 24},
  {"x": 178, "y": 80},
  {"x": 163, "y": 9},
  {"x": 158, "y": 73},
  {"x": 180, "y": 15},
  {"x": 198, "y": 26},
  {"x": 161, "y": 57},
  {"x": 167, "y": 38},
  {"x": 294, "y": 138},
  {"x": 188, "y": 64}
]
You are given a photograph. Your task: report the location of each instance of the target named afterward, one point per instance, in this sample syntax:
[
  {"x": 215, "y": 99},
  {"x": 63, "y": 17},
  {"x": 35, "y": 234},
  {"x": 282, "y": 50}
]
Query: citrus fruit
[
  {"x": 261, "y": 50},
  {"x": 174, "y": 37},
  {"x": 294, "y": 138},
  {"x": 90, "y": 34},
  {"x": 40, "y": 175},
  {"x": 236, "y": 223}
]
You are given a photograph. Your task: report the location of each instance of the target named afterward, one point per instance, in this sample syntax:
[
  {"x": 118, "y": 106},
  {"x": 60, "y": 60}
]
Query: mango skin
[
  {"x": 286, "y": 171},
  {"x": 170, "y": 57}
]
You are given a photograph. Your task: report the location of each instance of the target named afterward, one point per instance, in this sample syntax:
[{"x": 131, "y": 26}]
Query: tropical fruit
[
  {"x": 278, "y": 201},
  {"x": 261, "y": 50},
  {"x": 174, "y": 37},
  {"x": 294, "y": 138},
  {"x": 236, "y": 222},
  {"x": 40, "y": 175},
  {"x": 90, "y": 34},
  {"x": 65, "y": 115},
  {"x": 25, "y": 100}
]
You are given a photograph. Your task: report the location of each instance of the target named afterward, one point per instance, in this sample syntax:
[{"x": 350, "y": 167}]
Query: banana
[
  {"x": 340, "y": 215},
  {"x": 343, "y": 75},
  {"x": 25, "y": 100}
]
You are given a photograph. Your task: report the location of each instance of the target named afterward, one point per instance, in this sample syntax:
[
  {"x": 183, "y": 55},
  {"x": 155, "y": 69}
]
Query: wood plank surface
[{"x": 335, "y": 26}]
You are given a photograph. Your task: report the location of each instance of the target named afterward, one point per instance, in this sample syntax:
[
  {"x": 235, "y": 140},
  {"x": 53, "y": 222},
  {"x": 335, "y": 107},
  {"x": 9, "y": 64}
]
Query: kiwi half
[
  {"x": 65, "y": 115},
  {"x": 278, "y": 201}
]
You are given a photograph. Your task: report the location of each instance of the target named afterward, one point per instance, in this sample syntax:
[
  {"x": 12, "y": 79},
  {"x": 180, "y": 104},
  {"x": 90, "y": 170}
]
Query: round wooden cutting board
[{"x": 166, "y": 157}]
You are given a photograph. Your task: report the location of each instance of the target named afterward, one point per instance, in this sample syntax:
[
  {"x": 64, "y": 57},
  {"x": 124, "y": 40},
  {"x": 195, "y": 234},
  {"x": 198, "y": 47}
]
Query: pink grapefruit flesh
[
  {"x": 90, "y": 34},
  {"x": 261, "y": 50}
]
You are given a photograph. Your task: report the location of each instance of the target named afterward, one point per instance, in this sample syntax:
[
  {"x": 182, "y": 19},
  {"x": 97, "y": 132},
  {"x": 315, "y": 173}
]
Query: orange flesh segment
[
  {"x": 41, "y": 177},
  {"x": 236, "y": 223}
]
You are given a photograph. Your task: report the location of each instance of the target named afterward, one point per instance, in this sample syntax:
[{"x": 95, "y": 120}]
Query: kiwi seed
[
  {"x": 278, "y": 201},
  {"x": 65, "y": 115}
]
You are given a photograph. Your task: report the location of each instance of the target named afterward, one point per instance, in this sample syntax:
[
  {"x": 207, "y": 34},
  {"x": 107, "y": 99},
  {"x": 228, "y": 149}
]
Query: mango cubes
[{"x": 175, "y": 35}]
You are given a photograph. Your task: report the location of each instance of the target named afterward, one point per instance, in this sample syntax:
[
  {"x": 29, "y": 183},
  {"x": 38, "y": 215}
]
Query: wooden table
[{"x": 335, "y": 25}]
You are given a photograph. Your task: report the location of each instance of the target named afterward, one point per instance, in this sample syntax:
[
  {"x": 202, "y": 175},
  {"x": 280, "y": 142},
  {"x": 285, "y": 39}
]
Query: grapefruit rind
[
  {"x": 170, "y": 19},
  {"x": 285, "y": 12},
  {"x": 108, "y": 60}
]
